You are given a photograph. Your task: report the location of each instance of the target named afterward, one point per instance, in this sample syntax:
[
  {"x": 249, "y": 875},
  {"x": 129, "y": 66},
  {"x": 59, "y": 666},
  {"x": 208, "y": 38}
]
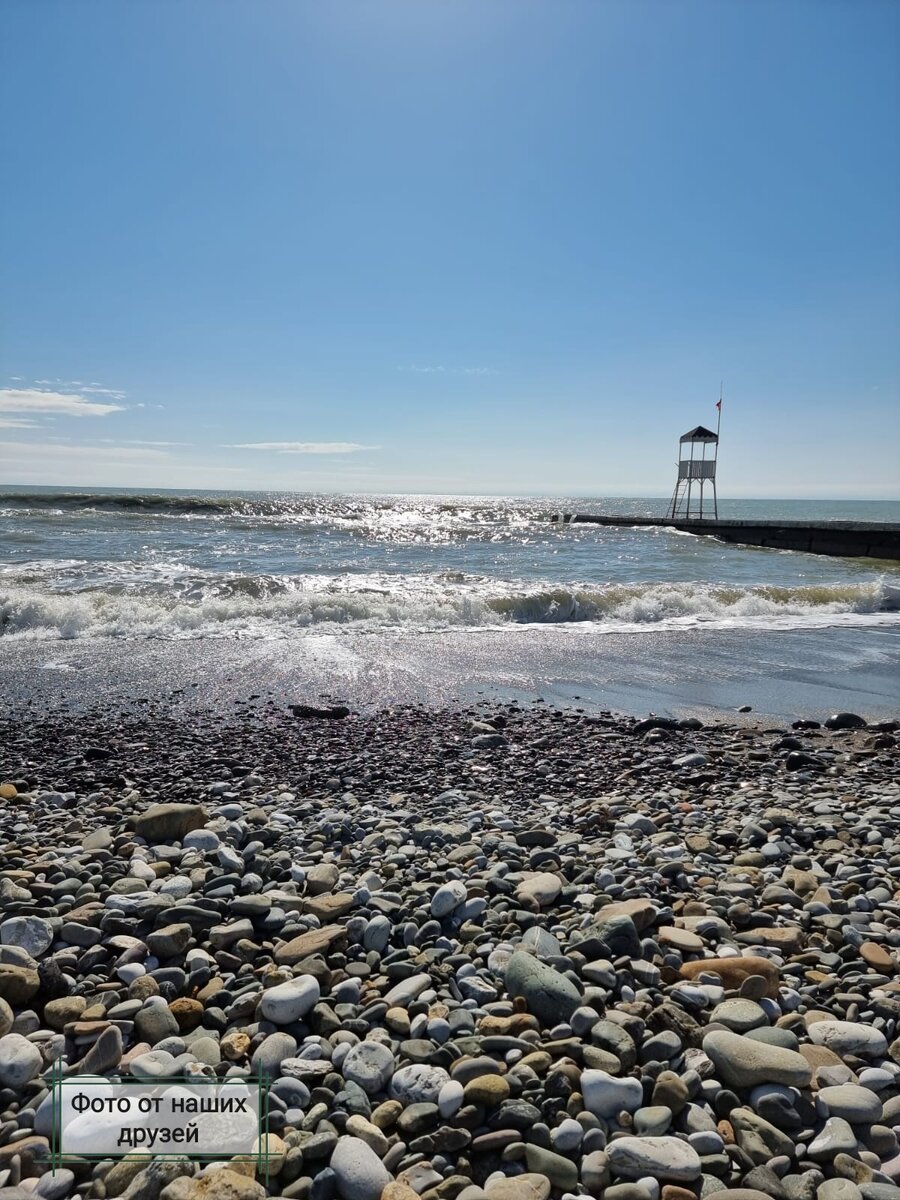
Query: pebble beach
[{"x": 507, "y": 952}]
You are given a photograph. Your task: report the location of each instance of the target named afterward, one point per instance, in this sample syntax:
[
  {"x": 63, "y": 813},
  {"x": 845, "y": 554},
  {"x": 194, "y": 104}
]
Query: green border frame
[{"x": 57, "y": 1081}]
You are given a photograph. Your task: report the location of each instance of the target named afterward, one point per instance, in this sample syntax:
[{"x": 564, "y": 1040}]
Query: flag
[{"x": 719, "y": 405}]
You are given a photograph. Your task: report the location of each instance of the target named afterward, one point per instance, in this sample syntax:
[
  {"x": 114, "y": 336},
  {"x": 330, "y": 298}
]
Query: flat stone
[
  {"x": 314, "y": 941},
  {"x": 681, "y": 939},
  {"x": 656, "y": 1157},
  {"x": 643, "y": 912},
  {"x": 743, "y": 1062},
  {"x": 329, "y": 907},
  {"x": 855, "y": 1104},
  {"x": 878, "y": 957},
  {"x": 403, "y": 993},
  {"x": 733, "y": 971},
  {"x": 739, "y": 1015},
  {"x": 849, "y": 1037}
]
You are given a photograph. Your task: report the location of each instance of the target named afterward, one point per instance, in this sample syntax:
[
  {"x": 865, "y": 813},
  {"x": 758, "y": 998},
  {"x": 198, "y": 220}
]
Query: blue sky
[{"x": 450, "y": 245}]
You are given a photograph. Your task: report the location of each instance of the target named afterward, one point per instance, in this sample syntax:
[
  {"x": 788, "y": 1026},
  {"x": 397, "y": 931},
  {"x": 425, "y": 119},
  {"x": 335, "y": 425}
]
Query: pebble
[
  {"x": 359, "y": 1172},
  {"x": 548, "y": 994},
  {"x": 659, "y": 1157},
  {"x": 605, "y": 1095},
  {"x": 20, "y": 1061},
  {"x": 849, "y": 1037},
  {"x": 288, "y": 1002},
  {"x": 745, "y": 1062},
  {"x": 370, "y": 1065}
]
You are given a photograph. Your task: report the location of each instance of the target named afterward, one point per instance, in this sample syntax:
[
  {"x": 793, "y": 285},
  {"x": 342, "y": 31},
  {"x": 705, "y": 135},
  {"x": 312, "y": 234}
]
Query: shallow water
[
  {"x": 392, "y": 597},
  {"x": 177, "y": 565}
]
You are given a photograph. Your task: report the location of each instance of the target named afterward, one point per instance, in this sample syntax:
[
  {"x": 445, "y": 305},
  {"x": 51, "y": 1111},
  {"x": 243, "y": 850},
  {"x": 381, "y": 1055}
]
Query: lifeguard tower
[{"x": 696, "y": 468}]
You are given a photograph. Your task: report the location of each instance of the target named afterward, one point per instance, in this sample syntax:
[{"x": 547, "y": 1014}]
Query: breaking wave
[{"x": 272, "y": 606}]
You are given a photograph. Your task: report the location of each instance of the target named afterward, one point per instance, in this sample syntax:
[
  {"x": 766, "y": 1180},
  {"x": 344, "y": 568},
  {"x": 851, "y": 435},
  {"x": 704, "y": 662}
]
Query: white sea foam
[{"x": 177, "y": 605}]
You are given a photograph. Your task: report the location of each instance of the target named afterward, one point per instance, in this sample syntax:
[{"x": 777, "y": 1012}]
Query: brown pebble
[
  {"x": 188, "y": 1013},
  {"x": 877, "y": 957}
]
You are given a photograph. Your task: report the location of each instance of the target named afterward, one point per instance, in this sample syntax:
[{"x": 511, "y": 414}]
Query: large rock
[
  {"x": 167, "y": 822},
  {"x": 220, "y": 1184},
  {"x": 744, "y": 1063},
  {"x": 856, "y": 1104},
  {"x": 370, "y": 1065},
  {"x": 448, "y": 897},
  {"x": 403, "y": 993},
  {"x": 540, "y": 889},
  {"x": 643, "y": 912},
  {"x": 33, "y": 934},
  {"x": 618, "y": 932},
  {"x": 18, "y": 984},
  {"x": 849, "y": 1037},
  {"x": 657, "y": 1157},
  {"x": 418, "y": 1083},
  {"x": 20, "y": 1061},
  {"x": 845, "y": 720},
  {"x": 288, "y": 1002},
  {"x": 550, "y": 996},
  {"x": 359, "y": 1172},
  {"x": 606, "y": 1095}
]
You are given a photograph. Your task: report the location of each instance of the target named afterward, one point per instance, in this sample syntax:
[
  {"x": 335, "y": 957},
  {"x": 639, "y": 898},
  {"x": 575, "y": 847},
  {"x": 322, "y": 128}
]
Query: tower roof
[{"x": 700, "y": 434}]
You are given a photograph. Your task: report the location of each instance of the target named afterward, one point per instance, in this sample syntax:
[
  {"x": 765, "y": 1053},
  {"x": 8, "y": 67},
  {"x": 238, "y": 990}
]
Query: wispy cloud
[
  {"x": 41, "y": 402},
  {"x": 94, "y": 388},
  {"x": 41, "y": 450},
  {"x": 16, "y": 423},
  {"x": 141, "y": 442},
  {"x": 439, "y": 370},
  {"x": 303, "y": 447}
]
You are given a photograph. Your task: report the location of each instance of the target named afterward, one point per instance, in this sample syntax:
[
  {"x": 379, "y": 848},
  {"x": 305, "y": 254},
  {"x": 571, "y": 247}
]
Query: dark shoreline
[{"x": 414, "y": 748}]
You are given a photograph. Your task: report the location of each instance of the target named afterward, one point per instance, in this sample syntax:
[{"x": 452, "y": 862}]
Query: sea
[{"x": 384, "y": 599}]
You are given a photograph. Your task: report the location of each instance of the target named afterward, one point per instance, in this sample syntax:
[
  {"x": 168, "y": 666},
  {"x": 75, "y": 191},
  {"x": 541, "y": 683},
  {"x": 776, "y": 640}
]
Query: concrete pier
[{"x": 846, "y": 539}]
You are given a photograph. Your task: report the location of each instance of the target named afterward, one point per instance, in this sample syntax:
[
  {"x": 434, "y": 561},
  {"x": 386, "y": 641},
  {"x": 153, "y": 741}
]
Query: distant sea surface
[{"x": 362, "y": 584}]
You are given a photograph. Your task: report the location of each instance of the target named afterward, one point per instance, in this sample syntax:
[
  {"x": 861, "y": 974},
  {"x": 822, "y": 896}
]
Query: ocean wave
[
  {"x": 373, "y": 519},
  {"x": 401, "y": 509},
  {"x": 279, "y": 606}
]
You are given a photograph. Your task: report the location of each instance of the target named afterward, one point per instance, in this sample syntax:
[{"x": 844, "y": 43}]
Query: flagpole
[{"x": 718, "y": 428}]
